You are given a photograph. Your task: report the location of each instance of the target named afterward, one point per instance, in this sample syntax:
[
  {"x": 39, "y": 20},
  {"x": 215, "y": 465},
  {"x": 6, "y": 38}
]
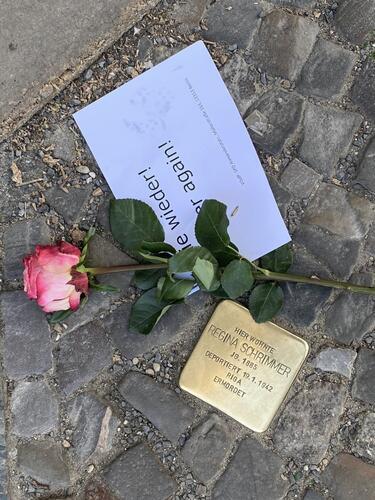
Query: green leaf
[
  {"x": 220, "y": 292},
  {"x": 184, "y": 261},
  {"x": 147, "y": 311},
  {"x": 155, "y": 259},
  {"x": 133, "y": 222},
  {"x": 177, "y": 289},
  {"x": 211, "y": 225},
  {"x": 148, "y": 278},
  {"x": 211, "y": 231},
  {"x": 104, "y": 288},
  {"x": 237, "y": 278},
  {"x": 157, "y": 247},
  {"x": 278, "y": 260},
  {"x": 265, "y": 301},
  {"x": 59, "y": 316},
  {"x": 90, "y": 233},
  {"x": 206, "y": 274}
]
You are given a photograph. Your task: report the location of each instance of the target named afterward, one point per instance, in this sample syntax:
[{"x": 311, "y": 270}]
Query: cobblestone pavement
[{"x": 93, "y": 411}]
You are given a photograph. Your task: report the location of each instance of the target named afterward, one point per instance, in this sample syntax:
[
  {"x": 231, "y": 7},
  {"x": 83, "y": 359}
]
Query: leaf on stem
[
  {"x": 220, "y": 292},
  {"x": 206, "y": 274},
  {"x": 157, "y": 247},
  {"x": 147, "y": 311},
  {"x": 148, "y": 278},
  {"x": 90, "y": 233},
  {"x": 155, "y": 259},
  {"x": 211, "y": 231},
  {"x": 237, "y": 278},
  {"x": 184, "y": 261},
  {"x": 278, "y": 260},
  {"x": 265, "y": 301},
  {"x": 104, "y": 288},
  {"x": 171, "y": 290},
  {"x": 59, "y": 316},
  {"x": 133, "y": 222}
]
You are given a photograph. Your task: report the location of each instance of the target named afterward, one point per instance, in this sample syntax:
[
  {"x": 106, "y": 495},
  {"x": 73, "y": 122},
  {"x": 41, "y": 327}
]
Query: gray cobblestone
[
  {"x": 363, "y": 91},
  {"x": 339, "y": 212},
  {"x": 207, "y": 447},
  {"x": 355, "y": 19},
  {"x": 327, "y": 135},
  {"x": 240, "y": 82},
  {"x": 283, "y": 196},
  {"x": 62, "y": 140},
  {"x": 348, "y": 477},
  {"x": 296, "y": 296},
  {"x": 312, "y": 495},
  {"x": 284, "y": 43},
  {"x": 326, "y": 70},
  {"x": 274, "y": 119},
  {"x": 36, "y": 400},
  {"x": 336, "y": 360},
  {"x": 43, "y": 461},
  {"x": 366, "y": 177},
  {"x": 363, "y": 441},
  {"x": 352, "y": 315},
  {"x": 27, "y": 344},
  {"x": 19, "y": 240},
  {"x": 253, "y": 469},
  {"x": 137, "y": 474},
  {"x": 69, "y": 205},
  {"x": 363, "y": 386},
  {"x": 339, "y": 255},
  {"x": 232, "y": 22},
  {"x": 81, "y": 356},
  {"x": 92, "y": 424},
  {"x": 170, "y": 414},
  {"x": 300, "y": 179},
  {"x": 308, "y": 420},
  {"x": 3, "y": 475},
  {"x": 98, "y": 303},
  {"x": 188, "y": 14},
  {"x": 296, "y": 3}
]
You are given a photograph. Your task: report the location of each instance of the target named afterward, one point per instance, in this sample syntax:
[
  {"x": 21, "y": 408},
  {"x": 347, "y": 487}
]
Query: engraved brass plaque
[{"x": 243, "y": 368}]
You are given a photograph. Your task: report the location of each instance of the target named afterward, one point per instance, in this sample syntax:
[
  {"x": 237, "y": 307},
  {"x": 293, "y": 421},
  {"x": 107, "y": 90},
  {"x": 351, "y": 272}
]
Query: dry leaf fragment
[{"x": 17, "y": 174}]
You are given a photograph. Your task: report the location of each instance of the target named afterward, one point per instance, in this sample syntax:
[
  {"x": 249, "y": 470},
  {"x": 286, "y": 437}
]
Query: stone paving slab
[
  {"x": 137, "y": 475},
  {"x": 43, "y": 461},
  {"x": 3, "y": 478},
  {"x": 207, "y": 447},
  {"x": 348, "y": 477},
  {"x": 160, "y": 405},
  {"x": 253, "y": 473},
  {"x": 81, "y": 356},
  {"x": 27, "y": 349},
  {"x": 44, "y": 45}
]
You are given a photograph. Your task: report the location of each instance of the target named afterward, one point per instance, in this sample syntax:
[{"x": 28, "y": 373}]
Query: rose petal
[
  {"x": 52, "y": 287},
  {"x": 68, "y": 248},
  {"x": 57, "y": 305},
  {"x": 30, "y": 274},
  {"x": 80, "y": 281},
  {"x": 51, "y": 259},
  {"x": 75, "y": 300}
]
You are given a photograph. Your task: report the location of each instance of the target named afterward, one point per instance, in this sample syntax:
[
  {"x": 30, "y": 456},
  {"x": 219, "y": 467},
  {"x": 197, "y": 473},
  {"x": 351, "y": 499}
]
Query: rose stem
[
  {"x": 260, "y": 274},
  {"x": 266, "y": 275},
  {"x": 118, "y": 269}
]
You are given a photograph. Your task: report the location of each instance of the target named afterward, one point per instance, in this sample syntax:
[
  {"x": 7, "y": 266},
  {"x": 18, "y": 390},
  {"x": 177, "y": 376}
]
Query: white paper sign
[{"x": 173, "y": 137}]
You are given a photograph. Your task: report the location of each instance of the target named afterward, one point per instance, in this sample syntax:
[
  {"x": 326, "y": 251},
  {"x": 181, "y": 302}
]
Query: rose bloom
[{"x": 50, "y": 278}]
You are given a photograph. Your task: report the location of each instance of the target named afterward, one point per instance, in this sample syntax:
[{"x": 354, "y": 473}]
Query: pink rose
[{"x": 50, "y": 278}]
